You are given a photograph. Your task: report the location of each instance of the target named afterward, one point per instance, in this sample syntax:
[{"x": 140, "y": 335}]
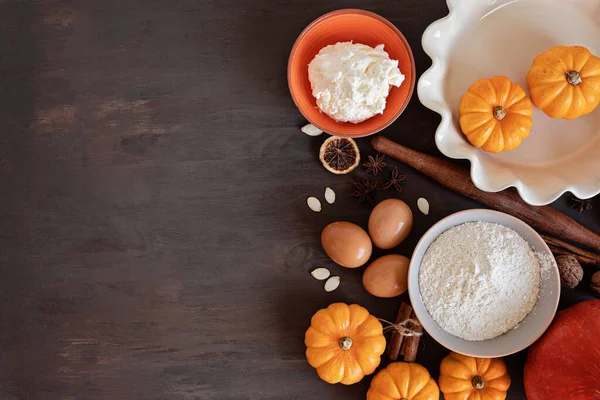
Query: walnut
[
  {"x": 570, "y": 271},
  {"x": 595, "y": 283}
]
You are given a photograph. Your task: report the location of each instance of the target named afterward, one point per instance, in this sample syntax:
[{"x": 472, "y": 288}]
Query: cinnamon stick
[
  {"x": 456, "y": 178},
  {"x": 396, "y": 340},
  {"x": 559, "y": 251},
  {"x": 573, "y": 249},
  {"x": 411, "y": 343}
]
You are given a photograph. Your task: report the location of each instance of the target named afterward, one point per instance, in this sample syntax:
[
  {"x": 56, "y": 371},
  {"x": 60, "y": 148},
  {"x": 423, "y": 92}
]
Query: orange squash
[
  {"x": 564, "y": 82},
  {"x": 344, "y": 343},
  {"x": 470, "y": 378},
  {"x": 403, "y": 381},
  {"x": 495, "y": 114},
  {"x": 564, "y": 363}
]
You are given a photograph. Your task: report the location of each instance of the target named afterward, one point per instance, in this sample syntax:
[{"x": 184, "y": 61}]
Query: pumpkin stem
[
  {"x": 573, "y": 77},
  {"x": 345, "y": 343},
  {"x": 499, "y": 113},
  {"x": 478, "y": 382}
]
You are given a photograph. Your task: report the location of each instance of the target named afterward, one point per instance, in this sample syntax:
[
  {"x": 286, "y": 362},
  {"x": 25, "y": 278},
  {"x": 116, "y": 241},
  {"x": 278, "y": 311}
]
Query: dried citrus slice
[{"x": 339, "y": 155}]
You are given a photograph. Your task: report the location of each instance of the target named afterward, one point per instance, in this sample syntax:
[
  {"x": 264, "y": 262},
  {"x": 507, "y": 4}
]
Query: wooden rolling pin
[{"x": 454, "y": 177}]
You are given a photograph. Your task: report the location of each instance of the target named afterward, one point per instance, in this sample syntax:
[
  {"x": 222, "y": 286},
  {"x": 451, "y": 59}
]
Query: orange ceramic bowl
[{"x": 357, "y": 26}]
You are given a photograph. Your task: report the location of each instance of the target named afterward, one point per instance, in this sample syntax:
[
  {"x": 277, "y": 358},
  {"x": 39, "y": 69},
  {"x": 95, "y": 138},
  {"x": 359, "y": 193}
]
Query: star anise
[
  {"x": 394, "y": 180},
  {"x": 363, "y": 190},
  {"x": 376, "y": 164},
  {"x": 581, "y": 205}
]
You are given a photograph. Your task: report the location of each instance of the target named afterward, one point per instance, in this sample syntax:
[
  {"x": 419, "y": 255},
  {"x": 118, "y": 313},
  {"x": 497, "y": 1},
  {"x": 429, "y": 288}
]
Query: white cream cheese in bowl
[{"x": 351, "y": 81}]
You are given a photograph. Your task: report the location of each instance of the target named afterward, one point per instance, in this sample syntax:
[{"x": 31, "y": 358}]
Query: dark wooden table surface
[{"x": 154, "y": 238}]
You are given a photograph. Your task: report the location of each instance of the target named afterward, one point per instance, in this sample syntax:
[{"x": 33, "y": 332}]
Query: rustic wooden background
[{"x": 154, "y": 237}]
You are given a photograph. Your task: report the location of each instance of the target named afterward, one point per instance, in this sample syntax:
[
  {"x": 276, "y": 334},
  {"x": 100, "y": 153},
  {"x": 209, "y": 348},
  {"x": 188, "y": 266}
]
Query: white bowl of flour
[{"x": 483, "y": 283}]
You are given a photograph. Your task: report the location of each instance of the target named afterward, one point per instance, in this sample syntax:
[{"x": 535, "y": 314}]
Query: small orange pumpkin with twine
[{"x": 344, "y": 343}]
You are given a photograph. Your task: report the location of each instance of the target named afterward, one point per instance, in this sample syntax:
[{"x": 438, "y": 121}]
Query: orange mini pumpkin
[
  {"x": 403, "y": 381},
  {"x": 344, "y": 343},
  {"x": 470, "y": 378},
  {"x": 495, "y": 114},
  {"x": 564, "y": 82}
]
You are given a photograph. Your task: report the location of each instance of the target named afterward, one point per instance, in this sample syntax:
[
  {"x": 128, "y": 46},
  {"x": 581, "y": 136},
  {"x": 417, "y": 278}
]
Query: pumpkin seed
[
  {"x": 332, "y": 283},
  {"x": 321, "y": 274},
  {"x": 423, "y": 205},
  {"x": 311, "y": 130},
  {"x": 329, "y": 195},
  {"x": 314, "y": 204}
]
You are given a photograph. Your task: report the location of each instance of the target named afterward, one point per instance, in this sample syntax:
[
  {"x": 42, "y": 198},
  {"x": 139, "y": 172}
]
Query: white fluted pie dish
[{"x": 484, "y": 38}]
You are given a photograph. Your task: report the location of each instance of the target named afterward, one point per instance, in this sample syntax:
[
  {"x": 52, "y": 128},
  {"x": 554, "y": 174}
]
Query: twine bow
[{"x": 403, "y": 327}]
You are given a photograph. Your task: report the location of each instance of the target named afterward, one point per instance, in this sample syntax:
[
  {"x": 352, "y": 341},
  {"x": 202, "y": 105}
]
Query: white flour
[{"x": 479, "y": 280}]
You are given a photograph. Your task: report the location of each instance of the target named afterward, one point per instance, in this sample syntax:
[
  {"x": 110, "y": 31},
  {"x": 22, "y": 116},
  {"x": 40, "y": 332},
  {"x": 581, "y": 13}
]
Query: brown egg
[
  {"x": 389, "y": 223},
  {"x": 347, "y": 244},
  {"x": 387, "y": 276}
]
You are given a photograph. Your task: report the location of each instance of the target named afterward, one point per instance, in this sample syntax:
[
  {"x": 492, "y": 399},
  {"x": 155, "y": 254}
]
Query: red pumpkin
[{"x": 565, "y": 362}]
